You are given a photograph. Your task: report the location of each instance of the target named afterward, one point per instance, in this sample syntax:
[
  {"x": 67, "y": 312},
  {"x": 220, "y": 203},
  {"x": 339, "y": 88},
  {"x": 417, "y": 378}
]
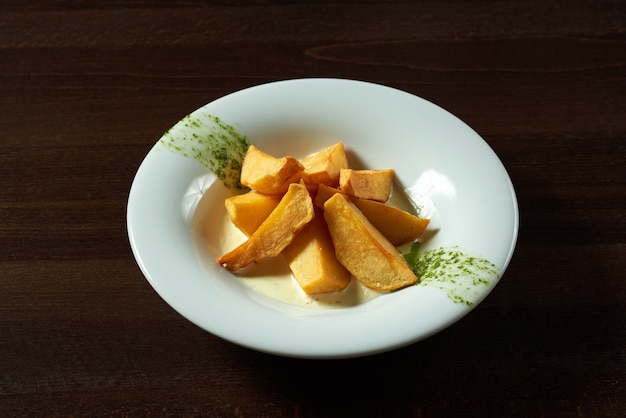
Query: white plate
[{"x": 454, "y": 176}]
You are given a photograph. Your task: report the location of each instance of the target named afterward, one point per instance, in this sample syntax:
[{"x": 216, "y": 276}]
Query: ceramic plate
[{"x": 450, "y": 173}]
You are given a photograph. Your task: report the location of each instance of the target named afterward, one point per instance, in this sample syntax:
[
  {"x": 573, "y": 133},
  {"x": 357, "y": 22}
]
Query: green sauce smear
[
  {"x": 464, "y": 277},
  {"x": 213, "y": 143},
  {"x": 221, "y": 149}
]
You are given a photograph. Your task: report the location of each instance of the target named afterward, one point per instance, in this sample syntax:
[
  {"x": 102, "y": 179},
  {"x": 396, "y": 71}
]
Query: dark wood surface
[{"x": 87, "y": 87}]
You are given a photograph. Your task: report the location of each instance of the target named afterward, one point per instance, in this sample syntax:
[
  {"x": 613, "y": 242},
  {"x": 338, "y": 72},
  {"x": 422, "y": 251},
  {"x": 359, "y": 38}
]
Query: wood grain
[{"x": 86, "y": 88}]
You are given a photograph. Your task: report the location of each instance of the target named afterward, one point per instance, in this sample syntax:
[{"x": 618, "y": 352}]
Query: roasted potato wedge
[
  {"x": 398, "y": 226},
  {"x": 291, "y": 214},
  {"x": 311, "y": 255},
  {"x": 366, "y": 184},
  {"x": 248, "y": 211},
  {"x": 312, "y": 260},
  {"x": 268, "y": 174},
  {"x": 362, "y": 249},
  {"x": 324, "y": 193},
  {"x": 324, "y": 166}
]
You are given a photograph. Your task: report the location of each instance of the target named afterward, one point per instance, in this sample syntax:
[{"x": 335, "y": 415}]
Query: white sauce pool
[{"x": 273, "y": 279}]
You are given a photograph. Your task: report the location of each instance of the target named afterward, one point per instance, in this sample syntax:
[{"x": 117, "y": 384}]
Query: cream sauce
[
  {"x": 272, "y": 278},
  {"x": 221, "y": 148}
]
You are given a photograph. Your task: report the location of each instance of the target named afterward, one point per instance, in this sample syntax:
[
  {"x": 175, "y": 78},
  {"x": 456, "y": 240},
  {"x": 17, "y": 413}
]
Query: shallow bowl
[{"x": 448, "y": 171}]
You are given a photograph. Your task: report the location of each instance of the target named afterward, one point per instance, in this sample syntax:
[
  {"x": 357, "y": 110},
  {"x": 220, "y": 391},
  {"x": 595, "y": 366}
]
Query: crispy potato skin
[
  {"x": 366, "y": 184},
  {"x": 311, "y": 255},
  {"x": 398, "y": 226},
  {"x": 347, "y": 231},
  {"x": 267, "y": 174},
  {"x": 248, "y": 211},
  {"x": 324, "y": 193},
  {"x": 362, "y": 249},
  {"x": 324, "y": 166},
  {"x": 293, "y": 212},
  {"x": 312, "y": 260}
]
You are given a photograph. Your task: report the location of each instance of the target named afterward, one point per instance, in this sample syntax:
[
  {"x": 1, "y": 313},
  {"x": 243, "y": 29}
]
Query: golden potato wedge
[
  {"x": 366, "y": 184},
  {"x": 312, "y": 260},
  {"x": 362, "y": 249},
  {"x": 268, "y": 174},
  {"x": 397, "y": 225},
  {"x": 311, "y": 255},
  {"x": 291, "y": 214},
  {"x": 248, "y": 211},
  {"x": 324, "y": 166},
  {"x": 324, "y": 193}
]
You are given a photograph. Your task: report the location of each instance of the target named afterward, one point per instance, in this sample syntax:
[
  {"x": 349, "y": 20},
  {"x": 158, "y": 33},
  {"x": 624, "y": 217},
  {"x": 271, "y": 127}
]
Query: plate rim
[{"x": 343, "y": 352}]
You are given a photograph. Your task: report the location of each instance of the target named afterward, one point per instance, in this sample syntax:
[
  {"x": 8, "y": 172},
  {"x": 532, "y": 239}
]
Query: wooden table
[{"x": 87, "y": 87}]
